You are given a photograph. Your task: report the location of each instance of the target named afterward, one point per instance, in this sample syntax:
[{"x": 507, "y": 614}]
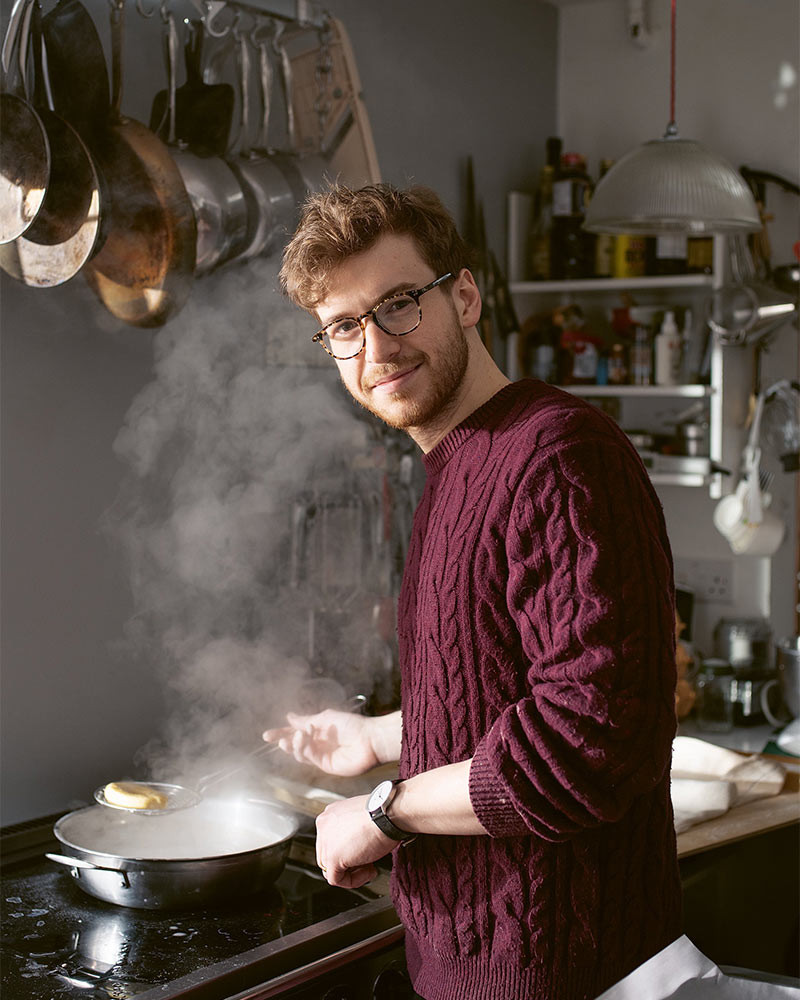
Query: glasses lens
[
  {"x": 398, "y": 315},
  {"x": 343, "y": 338}
]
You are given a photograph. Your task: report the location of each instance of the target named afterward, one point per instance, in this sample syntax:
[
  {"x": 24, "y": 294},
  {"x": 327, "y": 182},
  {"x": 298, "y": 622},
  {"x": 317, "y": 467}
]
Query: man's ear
[{"x": 467, "y": 298}]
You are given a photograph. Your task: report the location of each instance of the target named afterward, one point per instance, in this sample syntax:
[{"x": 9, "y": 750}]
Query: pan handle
[{"x": 76, "y": 863}]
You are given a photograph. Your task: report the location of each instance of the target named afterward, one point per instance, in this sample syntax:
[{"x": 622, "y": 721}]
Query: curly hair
[{"x": 339, "y": 222}]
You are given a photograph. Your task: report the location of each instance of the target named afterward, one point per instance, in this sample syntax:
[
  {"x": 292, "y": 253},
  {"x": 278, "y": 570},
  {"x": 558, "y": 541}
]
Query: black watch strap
[{"x": 382, "y": 821}]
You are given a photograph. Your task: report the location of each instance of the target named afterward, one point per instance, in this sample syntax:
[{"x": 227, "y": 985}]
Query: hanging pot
[
  {"x": 144, "y": 272},
  {"x": 64, "y": 233},
  {"x": 214, "y": 191},
  {"x": 25, "y": 149}
]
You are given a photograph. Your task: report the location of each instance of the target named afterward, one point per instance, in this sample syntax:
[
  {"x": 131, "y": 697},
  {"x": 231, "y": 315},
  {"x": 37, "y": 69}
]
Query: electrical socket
[{"x": 710, "y": 579}]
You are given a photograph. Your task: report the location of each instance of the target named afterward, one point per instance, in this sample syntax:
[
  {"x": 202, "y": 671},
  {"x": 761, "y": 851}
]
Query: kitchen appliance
[
  {"x": 746, "y": 643},
  {"x": 787, "y": 665},
  {"x": 298, "y": 939}
]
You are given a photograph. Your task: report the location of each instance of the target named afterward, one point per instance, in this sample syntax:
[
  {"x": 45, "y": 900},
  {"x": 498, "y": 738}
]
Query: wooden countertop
[{"x": 747, "y": 820}]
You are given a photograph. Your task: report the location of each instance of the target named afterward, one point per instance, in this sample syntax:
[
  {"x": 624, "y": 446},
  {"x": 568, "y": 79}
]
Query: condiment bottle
[
  {"x": 642, "y": 356},
  {"x": 605, "y": 243},
  {"x": 630, "y": 256},
  {"x": 572, "y": 246},
  {"x": 539, "y": 253},
  {"x": 667, "y": 350}
]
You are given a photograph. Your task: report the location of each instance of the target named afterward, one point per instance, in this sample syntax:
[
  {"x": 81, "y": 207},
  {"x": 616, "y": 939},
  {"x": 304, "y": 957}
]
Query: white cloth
[
  {"x": 707, "y": 780},
  {"x": 682, "y": 972}
]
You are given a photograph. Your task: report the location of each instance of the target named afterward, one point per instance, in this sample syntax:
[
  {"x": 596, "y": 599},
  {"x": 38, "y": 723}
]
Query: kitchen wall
[
  {"x": 737, "y": 69},
  {"x": 440, "y": 82}
]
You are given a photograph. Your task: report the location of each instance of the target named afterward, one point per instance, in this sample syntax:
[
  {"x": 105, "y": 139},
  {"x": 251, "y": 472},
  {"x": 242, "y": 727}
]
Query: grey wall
[{"x": 441, "y": 81}]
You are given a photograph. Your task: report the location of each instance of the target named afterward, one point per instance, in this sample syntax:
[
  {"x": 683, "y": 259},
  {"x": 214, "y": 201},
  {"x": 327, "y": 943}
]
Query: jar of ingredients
[{"x": 714, "y": 704}]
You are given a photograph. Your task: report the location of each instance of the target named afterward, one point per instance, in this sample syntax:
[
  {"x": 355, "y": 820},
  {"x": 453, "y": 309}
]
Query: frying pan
[
  {"x": 144, "y": 271},
  {"x": 63, "y": 235},
  {"x": 76, "y": 66},
  {"x": 25, "y": 149},
  {"x": 220, "y": 850}
]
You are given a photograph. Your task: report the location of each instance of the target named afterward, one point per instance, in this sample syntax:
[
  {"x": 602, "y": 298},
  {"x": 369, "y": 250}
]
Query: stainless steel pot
[
  {"x": 219, "y": 850},
  {"x": 787, "y": 662}
]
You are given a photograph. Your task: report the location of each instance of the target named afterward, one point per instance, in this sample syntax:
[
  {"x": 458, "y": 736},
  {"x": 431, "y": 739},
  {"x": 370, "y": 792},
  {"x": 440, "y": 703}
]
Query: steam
[{"x": 234, "y": 427}]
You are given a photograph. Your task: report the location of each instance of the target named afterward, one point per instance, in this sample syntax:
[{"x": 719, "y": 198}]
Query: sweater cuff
[{"x": 489, "y": 798}]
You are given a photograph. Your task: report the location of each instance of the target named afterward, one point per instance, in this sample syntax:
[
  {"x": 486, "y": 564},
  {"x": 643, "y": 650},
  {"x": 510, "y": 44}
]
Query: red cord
[{"x": 672, "y": 69}]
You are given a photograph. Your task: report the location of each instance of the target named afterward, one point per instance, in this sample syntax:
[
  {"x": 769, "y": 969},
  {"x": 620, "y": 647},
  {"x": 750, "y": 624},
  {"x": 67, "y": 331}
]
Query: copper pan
[{"x": 144, "y": 272}]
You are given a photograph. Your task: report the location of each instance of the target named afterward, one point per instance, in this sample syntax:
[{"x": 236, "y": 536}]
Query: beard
[{"x": 419, "y": 406}]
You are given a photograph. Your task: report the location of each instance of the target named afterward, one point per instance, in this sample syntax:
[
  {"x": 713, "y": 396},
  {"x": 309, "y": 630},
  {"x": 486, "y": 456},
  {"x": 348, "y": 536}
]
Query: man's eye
[
  {"x": 343, "y": 329},
  {"x": 398, "y": 305}
]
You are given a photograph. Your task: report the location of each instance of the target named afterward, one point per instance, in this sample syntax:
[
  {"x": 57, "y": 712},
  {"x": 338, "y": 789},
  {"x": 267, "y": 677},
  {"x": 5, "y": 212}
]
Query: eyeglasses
[{"x": 396, "y": 315}]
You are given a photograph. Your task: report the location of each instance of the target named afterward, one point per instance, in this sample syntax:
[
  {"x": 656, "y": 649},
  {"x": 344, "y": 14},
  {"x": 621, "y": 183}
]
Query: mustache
[{"x": 378, "y": 373}]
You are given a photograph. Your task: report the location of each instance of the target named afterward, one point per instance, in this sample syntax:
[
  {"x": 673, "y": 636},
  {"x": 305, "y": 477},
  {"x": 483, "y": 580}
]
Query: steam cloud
[{"x": 234, "y": 427}]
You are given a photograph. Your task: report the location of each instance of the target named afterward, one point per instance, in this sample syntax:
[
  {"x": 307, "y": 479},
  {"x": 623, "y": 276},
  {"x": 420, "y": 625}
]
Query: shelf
[
  {"x": 585, "y": 285},
  {"x": 647, "y": 391}
]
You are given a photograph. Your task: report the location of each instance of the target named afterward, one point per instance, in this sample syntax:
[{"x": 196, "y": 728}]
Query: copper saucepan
[{"x": 144, "y": 272}]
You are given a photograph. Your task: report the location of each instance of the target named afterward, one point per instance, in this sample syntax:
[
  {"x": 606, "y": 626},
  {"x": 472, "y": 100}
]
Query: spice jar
[{"x": 714, "y": 704}]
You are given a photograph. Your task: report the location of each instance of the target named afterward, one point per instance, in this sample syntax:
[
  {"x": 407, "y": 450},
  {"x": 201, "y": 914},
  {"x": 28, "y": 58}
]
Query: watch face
[{"x": 379, "y": 795}]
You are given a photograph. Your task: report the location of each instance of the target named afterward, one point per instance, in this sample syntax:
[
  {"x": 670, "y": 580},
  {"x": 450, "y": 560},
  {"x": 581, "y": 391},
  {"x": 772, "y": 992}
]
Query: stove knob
[{"x": 392, "y": 984}]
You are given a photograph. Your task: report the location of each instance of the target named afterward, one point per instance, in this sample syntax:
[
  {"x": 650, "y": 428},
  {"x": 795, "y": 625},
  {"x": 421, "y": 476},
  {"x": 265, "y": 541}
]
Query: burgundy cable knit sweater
[{"x": 537, "y": 635}]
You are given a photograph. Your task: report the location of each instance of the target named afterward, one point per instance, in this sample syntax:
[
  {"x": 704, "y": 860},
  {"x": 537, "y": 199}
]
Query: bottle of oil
[
  {"x": 572, "y": 246},
  {"x": 604, "y": 242},
  {"x": 539, "y": 245}
]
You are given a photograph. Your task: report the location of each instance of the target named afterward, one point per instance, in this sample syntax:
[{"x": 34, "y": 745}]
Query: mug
[{"x": 749, "y": 538}]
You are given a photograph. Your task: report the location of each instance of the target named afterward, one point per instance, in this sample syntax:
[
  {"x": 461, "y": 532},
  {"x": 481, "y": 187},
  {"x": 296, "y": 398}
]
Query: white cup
[{"x": 747, "y": 538}]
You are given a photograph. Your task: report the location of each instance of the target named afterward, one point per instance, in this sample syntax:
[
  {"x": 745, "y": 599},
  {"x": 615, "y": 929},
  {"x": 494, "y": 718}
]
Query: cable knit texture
[{"x": 536, "y": 630}]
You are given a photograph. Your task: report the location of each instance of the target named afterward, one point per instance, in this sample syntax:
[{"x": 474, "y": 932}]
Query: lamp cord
[{"x": 672, "y": 67}]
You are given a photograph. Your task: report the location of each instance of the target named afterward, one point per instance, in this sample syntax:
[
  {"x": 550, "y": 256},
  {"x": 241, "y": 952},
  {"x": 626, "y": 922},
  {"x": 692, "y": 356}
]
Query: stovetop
[{"x": 58, "y": 943}]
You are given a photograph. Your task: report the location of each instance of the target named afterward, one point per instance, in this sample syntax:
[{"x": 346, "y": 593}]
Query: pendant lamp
[{"x": 672, "y": 185}]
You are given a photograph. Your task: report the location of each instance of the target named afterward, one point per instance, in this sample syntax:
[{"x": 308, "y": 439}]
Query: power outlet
[{"x": 710, "y": 579}]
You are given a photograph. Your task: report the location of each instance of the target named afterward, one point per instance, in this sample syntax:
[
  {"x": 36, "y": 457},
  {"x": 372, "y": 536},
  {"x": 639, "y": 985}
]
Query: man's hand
[
  {"x": 336, "y": 742},
  {"x": 349, "y": 843}
]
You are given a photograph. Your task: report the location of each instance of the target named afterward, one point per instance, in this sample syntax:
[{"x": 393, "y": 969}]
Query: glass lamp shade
[{"x": 672, "y": 185}]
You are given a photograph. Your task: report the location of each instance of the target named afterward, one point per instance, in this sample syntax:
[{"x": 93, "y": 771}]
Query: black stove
[{"x": 301, "y": 938}]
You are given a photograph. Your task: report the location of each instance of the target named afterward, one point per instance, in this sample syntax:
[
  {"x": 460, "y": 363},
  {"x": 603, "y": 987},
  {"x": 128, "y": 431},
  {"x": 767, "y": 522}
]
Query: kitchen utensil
[
  {"x": 746, "y": 643},
  {"x": 25, "y": 149},
  {"x": 270, "y": 196},
  {"x": 77, "y": 68},
  {"x": 787, "y": 664},
  {"x": 144, "y": 271},
  {"x": 215, "y": 193},
  {"x": 203, "y": 111},
  {"x": 780, "y": 422},
  {"x": 219, "y": 851},
  {"x": 64, "y": 233},
  {"x": 184, "y": 796}
]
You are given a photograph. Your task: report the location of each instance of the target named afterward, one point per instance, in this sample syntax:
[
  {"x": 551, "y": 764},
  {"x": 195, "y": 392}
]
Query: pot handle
[{"x": 76, "y": 863}]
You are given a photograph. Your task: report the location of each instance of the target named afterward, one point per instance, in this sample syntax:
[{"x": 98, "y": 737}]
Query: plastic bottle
[
  {"x": 572, "y": 246},
  {"x": 667, "y": 349}
]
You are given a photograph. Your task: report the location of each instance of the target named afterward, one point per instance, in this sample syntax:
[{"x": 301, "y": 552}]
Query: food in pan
[{"x": 132, "y": 795}]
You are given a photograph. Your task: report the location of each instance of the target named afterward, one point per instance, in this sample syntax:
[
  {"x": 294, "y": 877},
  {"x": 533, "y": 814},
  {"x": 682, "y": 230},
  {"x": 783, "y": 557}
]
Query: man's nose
[{"x": 380, "y": 346}]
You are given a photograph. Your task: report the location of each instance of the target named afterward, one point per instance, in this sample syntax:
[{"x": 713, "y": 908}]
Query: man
[{"x": 536, "y": 628}]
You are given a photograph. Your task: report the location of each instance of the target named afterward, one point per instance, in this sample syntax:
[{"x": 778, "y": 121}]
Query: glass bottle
[
  {"x": 572, "y": 246},
  {"x": 714, "y": 704},
  {"x": 539, "y": 254}
]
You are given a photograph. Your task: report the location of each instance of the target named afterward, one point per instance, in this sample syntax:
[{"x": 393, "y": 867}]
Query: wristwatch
[{"x": 378, "y": 802}]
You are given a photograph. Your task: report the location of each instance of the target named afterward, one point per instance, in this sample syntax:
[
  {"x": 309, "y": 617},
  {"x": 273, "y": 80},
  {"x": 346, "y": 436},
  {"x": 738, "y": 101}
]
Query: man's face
[{"x": 407, "y": 381}]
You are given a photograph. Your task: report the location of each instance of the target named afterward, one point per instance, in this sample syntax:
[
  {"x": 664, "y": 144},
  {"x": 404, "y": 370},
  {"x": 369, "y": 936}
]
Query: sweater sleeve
[{"x": 591, "y": 591}]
